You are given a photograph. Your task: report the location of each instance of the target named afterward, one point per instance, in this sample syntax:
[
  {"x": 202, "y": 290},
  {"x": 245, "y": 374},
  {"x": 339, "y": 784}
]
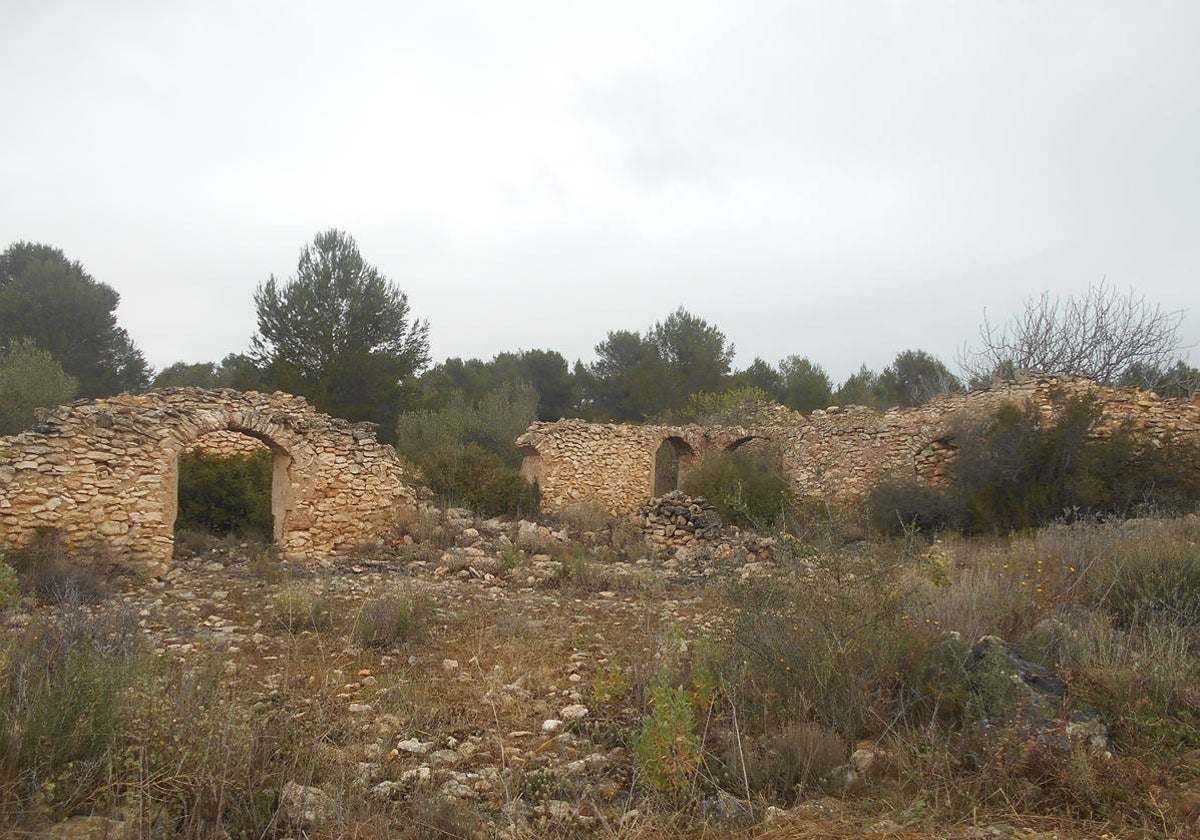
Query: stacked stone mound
[{"x": 679, "y": 520}]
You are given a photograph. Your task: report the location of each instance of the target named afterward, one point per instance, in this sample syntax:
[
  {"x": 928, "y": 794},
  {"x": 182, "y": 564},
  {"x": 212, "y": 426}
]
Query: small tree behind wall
[{"x": 1101, "y": 334}]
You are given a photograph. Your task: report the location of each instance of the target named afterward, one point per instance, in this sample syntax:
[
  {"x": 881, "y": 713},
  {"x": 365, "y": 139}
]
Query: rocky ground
[{"x": 516, "y": 695}]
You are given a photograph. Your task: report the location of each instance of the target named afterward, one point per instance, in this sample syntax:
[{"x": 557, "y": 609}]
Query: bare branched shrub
[
  {"x": 797, "y": 757},
  {"x": 388, "y": 621},
  {"x": 583, "y": 516},
  {"x": 57, "y": 574},
  {"x": 1100, "y": 335}
]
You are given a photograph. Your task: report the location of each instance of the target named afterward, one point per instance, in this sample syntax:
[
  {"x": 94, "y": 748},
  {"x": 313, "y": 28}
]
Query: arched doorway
[
  {"x": 531, "y": 463},
  {"x": 230, "y": 483},
  {"x": 757, "y": 447},
  {"x": 673, "y": 459},
  {"x": 334, "y": 487}
]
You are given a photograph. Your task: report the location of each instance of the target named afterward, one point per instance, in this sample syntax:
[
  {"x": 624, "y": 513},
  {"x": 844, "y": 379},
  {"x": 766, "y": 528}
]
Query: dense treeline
[{"x": 341, "y": 334}]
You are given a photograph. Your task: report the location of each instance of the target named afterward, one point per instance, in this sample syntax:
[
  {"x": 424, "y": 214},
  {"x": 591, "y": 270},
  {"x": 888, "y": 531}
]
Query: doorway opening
[
  {"x": 230, "y": 489},
  {"x": 671, "y": 463}
]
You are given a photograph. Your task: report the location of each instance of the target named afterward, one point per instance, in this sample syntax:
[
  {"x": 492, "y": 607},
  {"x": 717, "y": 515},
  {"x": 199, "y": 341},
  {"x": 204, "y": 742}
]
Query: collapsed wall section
[{"x": 105, "y": 472}]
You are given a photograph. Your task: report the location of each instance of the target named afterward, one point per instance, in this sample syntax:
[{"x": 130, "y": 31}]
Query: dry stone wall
[
  {"x": 836, "y": 453},
  {"x": 613, "y": 465},
  {"x": 105, "y": 472},
  {"x": 676, "y": 520},
  {"x": 227, "y": 444}
]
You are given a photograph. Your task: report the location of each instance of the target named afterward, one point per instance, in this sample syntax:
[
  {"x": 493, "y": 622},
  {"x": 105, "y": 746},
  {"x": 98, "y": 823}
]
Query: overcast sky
[{"x": 838, "y": 180}]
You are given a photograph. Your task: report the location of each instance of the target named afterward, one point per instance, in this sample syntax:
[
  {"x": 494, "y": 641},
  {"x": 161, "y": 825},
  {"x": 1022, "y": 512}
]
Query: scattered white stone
[
  {"x": 418, "y": 774},
  {"x": 415, "y": 746},
  {"x": 445, "y": 758},
  {"x": 305, "y": 808},
  {"x": 576, "y": 711},
  {"x": 592, "y": 763},
  {"x": 557, "y": 810},
  {"x": 368, "y": 770},
  {"x": 551, "y": 726},
  {"x": 458, "y": 790},
  {"x": 449, "y": 665},
  {"x": 385, "y": 791}
]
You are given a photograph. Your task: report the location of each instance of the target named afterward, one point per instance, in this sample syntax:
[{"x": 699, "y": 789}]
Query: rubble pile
[{"x": 677, "y": 520}]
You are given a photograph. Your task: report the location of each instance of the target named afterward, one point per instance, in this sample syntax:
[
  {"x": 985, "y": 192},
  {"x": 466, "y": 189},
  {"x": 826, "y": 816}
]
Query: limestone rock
[
  {"x": 305, "y": 808},
  {"x": 574, "y": 712}
]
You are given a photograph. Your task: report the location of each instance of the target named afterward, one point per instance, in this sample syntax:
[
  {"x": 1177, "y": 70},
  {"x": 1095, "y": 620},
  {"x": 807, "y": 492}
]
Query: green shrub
[
  {"x": 746, "y": 486},
  {"x": 225, "y": 494},
  {"x": 1156, "y": 580},
  {"x": 94, "y": 723},
  {"x": 545, "y": 783},
  {"x": 735, "y": 407},
  {"x": 825, "y": 651},
  {"x": 818, "y": 525},
  {"x": 898, "y": 505},
  {"x": 666, "y": 750},
  {"x": 9, "y": 583},
  {"x": 1016, "y": 469},
  {"x": 490, "y": 423},
  {"x": 470, "y": 475},
  {"x": 68, "y": 679},
  {"x": 609, "y": 684},
  {"x": 30, "y": 377}
]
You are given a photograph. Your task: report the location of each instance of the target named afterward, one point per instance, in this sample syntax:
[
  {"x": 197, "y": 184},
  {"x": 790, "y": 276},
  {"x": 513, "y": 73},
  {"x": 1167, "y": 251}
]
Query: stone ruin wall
[
  {"x": 611, "y": 464},
  {"x": 105, "y": 472},
  {"x": 837, "y": 453},
  {"x": 226, "y": 444}
]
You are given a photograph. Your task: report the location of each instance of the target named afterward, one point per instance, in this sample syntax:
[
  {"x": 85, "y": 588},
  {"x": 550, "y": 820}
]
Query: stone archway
[
  {"x": 739, "y": 442},
  {"x": 106, "y": 472},
  {"x": 233, "y": 442},
  {"x": 673, "y": 460}
]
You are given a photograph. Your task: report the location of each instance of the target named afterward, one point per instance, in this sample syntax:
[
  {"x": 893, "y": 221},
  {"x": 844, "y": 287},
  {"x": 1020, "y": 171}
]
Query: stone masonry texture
[
  {"x": 105, "y": 472},
  {"x": 832, "y": 454}
]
